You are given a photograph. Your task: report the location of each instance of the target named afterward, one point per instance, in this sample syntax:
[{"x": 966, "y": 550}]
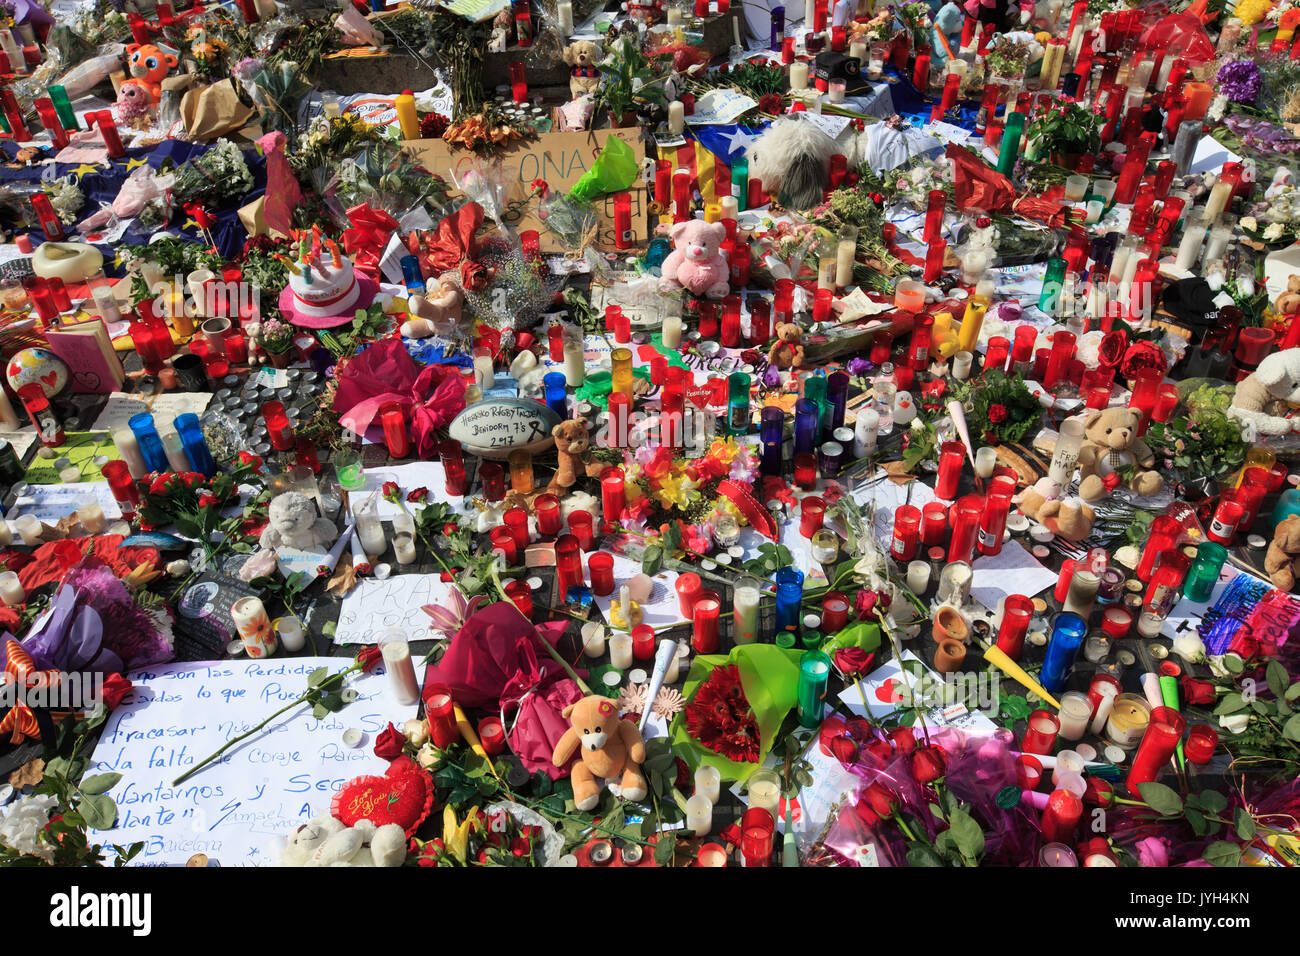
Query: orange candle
[{"x": 1198, "y": 99}]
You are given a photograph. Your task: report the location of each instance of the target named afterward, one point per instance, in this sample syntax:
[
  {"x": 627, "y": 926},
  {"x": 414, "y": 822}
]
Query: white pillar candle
[
  {"x": 858, "y": 50},
  {"x": 564, "y": 14},
  {"x": 29, "y": 529},
  {"x": 575, "y": 362},
  {"x": 401, "y": 672},
  {"x": 8, "y": 417},
  {"x": 866, "y": 431},
  {"x": 91, "y": 516},
  {"x": 11, "y": 589},
  {"x": 798, "y": 76},
  {"x": 128, "y": 449},
  {"x": 918, "y": 577},
  {"x": 254, "y": 627},
  {"x": 986, "y": 459},
  {"x": 809, "y": 14},
  {"x": 174, "y": 448},
  {"x": 593, "y": 639},
  {"x": 1189, "y": 248},
  {"x": 674, "y": 16},
  {"x": 672, "y": 332},
  {"x": 1074, "y": 714},
  {"x": 846, "y": 250},
  {"x": 6, "y": 534},
  {"x": 1217, "y": 202},
  {"x": 290, "y": 632},
  {"x": 1108, "y": 693},
  {"x": 1217, "y": 245},
  {"x": 708, "y": 783},
  {"x": 961, "y": 363},
  {"x": 404, "y": 548},
  {"x": 676, "y": 116},
  {"x": 620, "y": 651},
  {"x": 699, "y": 815},
  {"x": 744, "y": 602}
]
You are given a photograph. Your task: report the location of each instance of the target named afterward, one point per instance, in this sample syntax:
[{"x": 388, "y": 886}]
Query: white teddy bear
[
  {"x": 326, "y": 841},
  {"x": 1264, "y": 394},
  {"x": 295, "y": 523}
]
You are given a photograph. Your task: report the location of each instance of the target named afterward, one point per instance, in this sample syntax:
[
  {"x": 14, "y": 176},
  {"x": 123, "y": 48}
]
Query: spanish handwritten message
[{"x": 374, "y": 607}]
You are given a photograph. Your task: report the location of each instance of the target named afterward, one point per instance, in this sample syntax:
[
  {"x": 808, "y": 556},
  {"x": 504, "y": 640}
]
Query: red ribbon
[
  {"x": 20, "y": 722},
  {"x": 367, "y": 238}
]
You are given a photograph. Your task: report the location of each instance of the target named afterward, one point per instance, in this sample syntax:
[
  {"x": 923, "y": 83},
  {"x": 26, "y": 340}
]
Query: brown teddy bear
[
  {"x": 1282, "y": 560},
  {"x": 572, "y": 444},
  {"x": 1289, "y": 301},
  {"x": 581, "y": 56},
  {"x": 608, "y": 747},
  {"x": 1112, "y": 451},
  {"x": 787, "y": 350}
]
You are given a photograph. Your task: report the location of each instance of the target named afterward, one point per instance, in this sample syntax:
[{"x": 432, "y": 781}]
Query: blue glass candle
[
  {"x": 151, "y": 446},
  {"x": 789, "y": 596},
  {"x": 837, "y": 396},
  {"x": 557, "y": 397},
  {"x": 1067, "y": 634},
  {"x": 805, "y": 426},
  {"x": 412, "y": 275},
  {"x": 1288, "y": 504},
  {"x": 196, "y": 446},
  {"x": 789, "y": 575},
  {"x": 771, "y": 432},
  {"x": 778, "y": 28}
]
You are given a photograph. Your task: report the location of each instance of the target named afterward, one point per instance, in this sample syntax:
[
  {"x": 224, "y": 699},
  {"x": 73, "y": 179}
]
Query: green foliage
[
  {"x": 994, "y": 394},
  {"x": 1064, "y": 127},
  {"x": 628, "y": 77},
  {"x": 1204, "y": 442}
]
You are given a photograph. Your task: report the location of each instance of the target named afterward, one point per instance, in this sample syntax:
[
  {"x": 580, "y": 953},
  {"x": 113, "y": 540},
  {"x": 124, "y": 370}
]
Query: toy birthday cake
[{"x": 323, "y": 290}]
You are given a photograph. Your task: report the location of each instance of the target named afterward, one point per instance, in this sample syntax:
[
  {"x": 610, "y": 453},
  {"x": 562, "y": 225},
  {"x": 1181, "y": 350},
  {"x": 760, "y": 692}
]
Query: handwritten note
[
  {"x": 375, "y": 606},
  {"x": 52, "y": 502},
  {"x": 1013, "y": 570},
  {"x": 165, "y": 406},
  {"x": 239, "y": 809}
]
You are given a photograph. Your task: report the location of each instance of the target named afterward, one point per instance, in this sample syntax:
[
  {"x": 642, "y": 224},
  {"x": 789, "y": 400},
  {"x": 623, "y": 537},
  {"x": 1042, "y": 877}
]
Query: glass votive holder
[
  {"x": 29, "y": 529},
  {"x": 825, "y": 546},
  {"x": 1096, "y": 648}
]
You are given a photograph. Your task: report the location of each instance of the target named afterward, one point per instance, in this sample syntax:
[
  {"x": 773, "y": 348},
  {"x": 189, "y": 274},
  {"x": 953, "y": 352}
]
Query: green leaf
[
  {"x": 1222, "y": 853},
  {"x": 967, "y": 833},
  {"x": 100, "y": 783},
  {"x": 660, "y": 763},
  {"x": 1230, "y": 705},
  {"x": 923, "y": 856},
  {"x": 1291, "y": 729},
  {"x": 320, "y": 711},
  {"x": 666, "y": 848},
  {"x": 1278, "y": 679},
  {"x": 1293, "y": 692},
  {"x": 1233, "y": 664},
  {"x": 99, "y": 811},
  {"x": 317, "y": 677},
  {"x": 1161, "y": 799},
  {"x": 1245, "y": 825},
  {"x": 1213, "y": 801},
  {"x": 652, "y": 561},
  {"x": 1196, "y": 819}
]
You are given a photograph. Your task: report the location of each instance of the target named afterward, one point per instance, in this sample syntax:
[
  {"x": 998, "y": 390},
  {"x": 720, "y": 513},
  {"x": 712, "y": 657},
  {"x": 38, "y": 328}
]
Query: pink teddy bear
[{"x": 696, "y": 264}]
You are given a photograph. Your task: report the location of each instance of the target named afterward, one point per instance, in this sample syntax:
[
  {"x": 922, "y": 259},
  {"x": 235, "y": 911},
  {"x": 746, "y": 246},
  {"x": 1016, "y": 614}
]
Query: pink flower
[
  {"x": 1153, "y": 851},
  {"x": 450, "y": 618}
]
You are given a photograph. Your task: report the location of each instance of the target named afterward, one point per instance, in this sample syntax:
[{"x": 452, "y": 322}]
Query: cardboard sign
[{"x": 559, "y": 158}]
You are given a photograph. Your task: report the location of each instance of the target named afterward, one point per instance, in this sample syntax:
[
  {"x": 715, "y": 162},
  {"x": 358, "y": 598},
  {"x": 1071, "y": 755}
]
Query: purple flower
[
  {"x": 1153, "y": 851},
  {"x": 859, "y": 367},
  {"x": 1240, "y": 81},
  {"x": 772, "y": 377}
]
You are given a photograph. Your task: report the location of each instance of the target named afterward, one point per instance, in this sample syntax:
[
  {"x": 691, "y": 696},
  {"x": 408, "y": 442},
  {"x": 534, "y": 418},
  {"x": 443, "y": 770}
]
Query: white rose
[
  {"x": 416, "y": 731},
  {"x": 1189, "y": 647},
  {"x": 428, "y": 757},
  {"x": 1273, "y": 232},
  {"x": 1248, "y": 223},
  {"x": 1234, "y": 723}
]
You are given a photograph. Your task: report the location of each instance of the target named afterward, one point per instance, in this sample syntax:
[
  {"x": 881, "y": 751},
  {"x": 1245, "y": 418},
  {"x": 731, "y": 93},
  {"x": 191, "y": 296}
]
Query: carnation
[
  {"x": 25, "y": 822},
  {"x": 1240, "y": 81}
]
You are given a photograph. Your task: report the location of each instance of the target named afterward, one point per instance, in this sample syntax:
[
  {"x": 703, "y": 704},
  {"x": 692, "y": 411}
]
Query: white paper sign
[
  {"x": 52, "y": 502},
  {"x": 720, "y": 106},
  {"x": 1013, "y": 570},
  {"x": 165, "y": 406},
  {"x": 396, "y": 602},
  {"x": 239, "y": 809}
]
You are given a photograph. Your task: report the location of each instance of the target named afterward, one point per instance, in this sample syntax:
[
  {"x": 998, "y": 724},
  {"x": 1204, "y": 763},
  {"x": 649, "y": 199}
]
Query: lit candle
[
  {"x": 401, "y": 671},
  {"x": 91, "y": 516},
  {"x": 764, "y": 791},
  {"x": 11, "y": 589},
  {"x": 744, "y": 601},
  {"x": 620, "y": 649}
]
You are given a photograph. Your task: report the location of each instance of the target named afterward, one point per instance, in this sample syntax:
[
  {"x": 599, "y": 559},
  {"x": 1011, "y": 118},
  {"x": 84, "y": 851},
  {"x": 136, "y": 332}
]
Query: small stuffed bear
[
  {"x": 327, "y": 841},
  {"x": 295, "y": 523},
  {"x": 787, "y": 350},
  {"x": 696, "y": 263},
  {"x": 1111, "y": 443},
  {"x": 439, "y": 312},
  {"x": 581, "y": 56},
  {"x": 608, "y": 747},
  {"x": 1289, "y": 301},
  {"x": 148, "y": 65},
  {"x": 571, "y": 444},
  {"x": 1282, "y": 560},
  {"x": 1262, "y": 396}
]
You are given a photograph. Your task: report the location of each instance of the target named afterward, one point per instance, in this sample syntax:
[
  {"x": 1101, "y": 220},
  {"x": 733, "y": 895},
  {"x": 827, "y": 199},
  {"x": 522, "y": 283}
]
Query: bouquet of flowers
[
  {"x": 217, "y": 175},
  {"x": 275, "y": 336},
  {"x": 999, "y": 407}
]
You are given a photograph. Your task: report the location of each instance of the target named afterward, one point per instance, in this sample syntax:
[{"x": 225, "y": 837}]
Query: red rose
[
  {"x": 844, "y": 749},
  {"x": 389, "y": 744},
  {"x": 879, "y": 749},
  {"x": 1197, "y": 692},
  {"x": 882, "y": 800},
  {"x": 929, "y": 763},
  {"x": 903, "y": 739},
  {"x": 683, "y": 772},
  {"x": 207, "y": 499},
  {"x": 1143, "y": 357},
  {"x": 418, "y": 495},
  {"x": 450, "y": 528},
  {"x": 997, "y": 414},
  {"x": 853, "y": 660},
  {"x": 115, "y": 688},
  {"x": 864, "y": 812},
  {"x": 770, "y": 103},
  {"x": 369, "y": 657},
  {"x": 248, "y": 458},
  {"x": 192, "y": 479},
  {"x": 473, "y": 276},
  {"x": 158, "y": 485},
  {"x": 391, "y": 491},
  {"x": 1112, "y": 348}
]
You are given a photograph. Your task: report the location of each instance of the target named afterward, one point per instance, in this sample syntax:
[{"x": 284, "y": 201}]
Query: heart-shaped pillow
[{"x": 404, "y": 795}]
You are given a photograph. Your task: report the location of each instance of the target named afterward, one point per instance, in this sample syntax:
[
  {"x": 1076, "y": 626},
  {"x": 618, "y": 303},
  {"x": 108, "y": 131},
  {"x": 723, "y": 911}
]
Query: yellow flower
[
  {"x": 455, "y": 837},
  {"x": 675, "y": 489},
  {"x": 1250, "y": 12}
]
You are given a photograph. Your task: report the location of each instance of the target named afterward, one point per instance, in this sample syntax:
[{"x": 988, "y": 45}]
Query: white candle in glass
[
  {"x": 708, "y": 783},
  {"x": 290, "y": 631},
  {"x": 744, "y": 602},
  {"x": 672, "y": 332},
  {"x": 29, "y": 529},
  {"x": 91, "y": 516},
  {"x": 1104, "y": 189},
  {"x": 858, "y": 50},
  {"x": 1190, "y": 247},
  {"x": 764, "y": 792},
  {"x": 866, "y": 432},
  {"x": 564, "y": 14},
  {"x": 918, "y": 576},
  {"x": 1074, "y": 715},
  {"x": 174, "y": 448},
  {"x": 699, "y": 815},
  {"x": 620, "y": 651},
  {"x": 1217, "y": 201},
  {"x": 128, "y": 449},
  {"x": 986, "y": 459},
  {"x": 593, "y": 639},
  {"x": 1108, "y": 693},
  {"x": 798, "y": 76},
  {"x": 961, "y": 363},
  {"x": 1094, "y": 208},
  {"x": 404, "y": 548},
  {"x": 401, "y": 671},
  {"x": 575, "y": 362},
  {"x": 11, "y": 589},
  {"x": 1217, "y": 245},
  {"x": 1076, "y": 187}
]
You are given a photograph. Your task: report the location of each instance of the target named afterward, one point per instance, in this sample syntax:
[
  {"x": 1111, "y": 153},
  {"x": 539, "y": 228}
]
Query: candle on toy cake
[{"x": 323, "y": 291}]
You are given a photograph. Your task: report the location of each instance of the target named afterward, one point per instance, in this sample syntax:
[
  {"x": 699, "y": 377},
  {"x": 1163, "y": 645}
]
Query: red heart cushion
[
  {"x": 700, "y": 395},
  {"x": 404, "y": 795}
]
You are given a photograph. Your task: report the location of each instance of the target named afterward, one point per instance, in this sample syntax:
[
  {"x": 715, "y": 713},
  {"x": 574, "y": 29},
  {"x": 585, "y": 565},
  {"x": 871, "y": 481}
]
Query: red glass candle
[
  {"x": 568, "y": 564},
  {"x": 492, "y": 735},
  {"x": 236, "y": 345},
  {"x": 681, "y": 196},
  {"x": 521, "y": 597},
  {"x": 1059, "y": 359},
  {"x": 731, "y": 321},
  {"x": 622, "y": 328},
  {"x": 688, "y": 587},
  {"x": 965, "y": 527},
  {"x": 950, "y": 84},
  {"x": 643, "y": 641},
  {"x": 663, "y": 183},
  {"x": 516, "y": 522},
  {"x": 493, "y": 478},
  {"x": 108, "y": 132},
  {"x": 306, "y": 455},
  {"x": 600, "y": 567},
  {"x": 216, "y": 368},
  {"x": 708, "y": 313},
  {"x": 823, "y": 303},
  {"x": 1251, "y": 494},
  {"x": 952, "y": 455},
  {"x": 934, "y": 523},
  {"x": 1170, "y": 570},
  {"x": 805, "y": 470},
  {"x": 737, "y": 251},
  {"x": 1162, "y": 535},
  {"x": 921, "y": 72},
  {"x": 758, "y": 826},
  {"x": 760, "y": 322},
  {"x": 918, "y": 350},
  {"x": 502, "y": 539},
  {"x": 1029, "y": 772},
  {"x": 547, "y": 508},
  {"x": 1061, "y": 817},
  {"x": 882, "y": 346},
  {"x": 620, "y": 408},
  {"x": 835, "y": 612},
  {"x": 999, "y": 348},
  {"x": 518, "y": 82},
  {"x": 1116, "y": 621},
  {"x": 993, "y": 523},
  {"x": 1164, "y": 731},
  {"x": 704, "y": 636},
  {"x": 453, "y": 466},
  {"x": 1040, "y": 733},
  {"x": 612, "y": 495},
  {"x": 580, "y": 526},
  {"x": 396, "y": 436},
  {"x": 1017, "y": 609},
  {"x": 439, "y": 712},
  {"x": 122, "y": 485},
  {"x": 934, "y": 255},
  {"x": 907, "y": 525},
  {"x": 555, "y": 342},
  {"x": 812, "y": 510},
  {"x": 624, "y": 238},
  {"x": 278, "y": 427},
  {"x": 1063, "y": 580},
  {"x": 1202, "y": 739}
]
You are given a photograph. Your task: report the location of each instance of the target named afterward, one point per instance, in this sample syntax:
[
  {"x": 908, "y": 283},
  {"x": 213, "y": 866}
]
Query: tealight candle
[
  {"x": 91, "y": 516},
  {"x": 764, "y": 791},
  {"x": 401, "y": 671},
  {"x": 961, "y": 363},
  {"x": 404, "y": 548},
  {"x": 11, "y": 590}
]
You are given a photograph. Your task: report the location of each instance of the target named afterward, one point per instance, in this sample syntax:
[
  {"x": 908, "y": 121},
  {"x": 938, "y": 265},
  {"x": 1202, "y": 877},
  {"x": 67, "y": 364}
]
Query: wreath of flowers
[{"x": 719, "y": 717}]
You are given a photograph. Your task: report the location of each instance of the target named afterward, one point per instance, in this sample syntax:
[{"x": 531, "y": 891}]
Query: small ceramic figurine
[{"x": 295, "y": 523}]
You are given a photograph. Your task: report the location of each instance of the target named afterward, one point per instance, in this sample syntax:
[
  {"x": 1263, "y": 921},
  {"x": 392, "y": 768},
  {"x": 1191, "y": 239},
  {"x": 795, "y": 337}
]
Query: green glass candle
[
  {"x": 740, "y": 182},
  {"x": 1204, "y": 571},
  {"x": 814, "y": 672},
  {"x": 738, "y": 403},
  {"x": 1049, "y": 297},
  {"x": 1011, "y": 133},
  {"x": 814, "y": 390},
  {"x": 62, "y": 106}
]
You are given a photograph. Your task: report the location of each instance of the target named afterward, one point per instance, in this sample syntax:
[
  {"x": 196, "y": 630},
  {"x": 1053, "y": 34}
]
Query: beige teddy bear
[
  {"x": 787, "y": 350},
  {"x": 1110, "y": 451},
  {"x": 572, "y": 444},
  {"x": 584, "y": 77}
]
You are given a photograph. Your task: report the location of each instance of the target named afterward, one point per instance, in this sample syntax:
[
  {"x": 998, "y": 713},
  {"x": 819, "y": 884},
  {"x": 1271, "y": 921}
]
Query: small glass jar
[
  {"x": 1128, "y": 720},
  {"x": 726, "y": 531},
  {"x": 825, "y": 546},
  {"x": 13, "y": 296},
  {"x": 1096, "y": 648}
]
